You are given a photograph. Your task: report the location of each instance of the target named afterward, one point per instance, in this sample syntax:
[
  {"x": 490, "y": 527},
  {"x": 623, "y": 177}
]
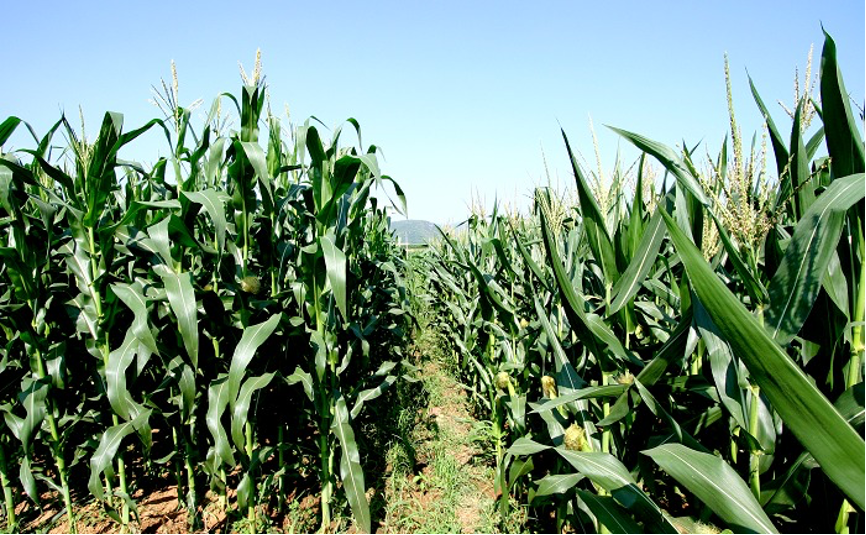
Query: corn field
[{"x": 653, "y": 356}]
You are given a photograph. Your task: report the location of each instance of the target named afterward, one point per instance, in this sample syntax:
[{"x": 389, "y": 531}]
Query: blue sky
[{"x": 461, "y": 96}]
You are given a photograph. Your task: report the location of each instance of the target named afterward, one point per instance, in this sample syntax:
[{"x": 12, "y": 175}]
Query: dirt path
[{"x": 449, "y": 487}]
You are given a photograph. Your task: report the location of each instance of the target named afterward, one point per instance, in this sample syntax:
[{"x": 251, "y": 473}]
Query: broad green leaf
[
  {"x": 253, "y": 337},
  {"x": 804, "y": 409},
  {"x": 115, "y": 378},
  {"x": 590, "y": 392},
  {"x": 351, "y": 473},
  {"x": 803, "y": 189},
  {"x": 851, "y": 406},
  {"x": 557, "y": 483},
  {"x": 306, "y": 380},
  {"x": 217, "y": 400},
  {"x": 632, "y": 278},
  {"x": 526, "y": 446},
  {"x": 33, "y": 398},
  {"x": 241, "y": 408},
  {"x": 571, "y": 301},
  {"x": 335, "y": 263},
  {"x": 370, "y": 394},
  {"x": 605, "y": 470},
  {"x": 670, "y": 160},
  {"x": 562, "y": 365},
  {"x": 107, "y": 450},
  {"x": 25, "y": 475},
  {"x": 593, "y": 222},
  {"x": 132, "y": 296},
  {"x": 181, "y": 299},
  {"x": 609, "y": 513},
  {"x": 723, "y": 366},
  {"x": 843, "y": 136},
  {"x": 716, "y": 484},
  {"x": 796, "y": 284},
  {"x": 214, "y": 204}
]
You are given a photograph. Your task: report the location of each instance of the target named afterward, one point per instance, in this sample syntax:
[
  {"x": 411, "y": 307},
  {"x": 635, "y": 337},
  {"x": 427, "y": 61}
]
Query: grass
[{"x": 441, "y": 474}]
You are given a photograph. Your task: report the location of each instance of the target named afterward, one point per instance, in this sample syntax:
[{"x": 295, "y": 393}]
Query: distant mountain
[{"x": 414, "y": 231}]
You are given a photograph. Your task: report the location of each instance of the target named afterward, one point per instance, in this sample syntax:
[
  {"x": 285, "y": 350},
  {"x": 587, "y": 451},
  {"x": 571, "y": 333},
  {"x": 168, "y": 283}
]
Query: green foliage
[
  {"x": 670, "y": 368},
  {"x": 221, "y": 315}
]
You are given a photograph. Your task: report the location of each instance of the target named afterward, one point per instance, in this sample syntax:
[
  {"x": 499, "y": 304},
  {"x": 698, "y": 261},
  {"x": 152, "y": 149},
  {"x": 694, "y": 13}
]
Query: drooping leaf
[
  {"x": 253, "y": 337},
  {"x": 795, "y": 285},
  {"x": 716, "y": 484},
  {"x": 351, "y": 473},
  {"x": 181, "y": 299},
  {"x": 804, "y": 409}
]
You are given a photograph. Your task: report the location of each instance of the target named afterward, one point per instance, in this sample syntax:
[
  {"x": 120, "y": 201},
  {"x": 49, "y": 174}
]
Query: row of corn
[
  {"x": 224, "y": 318},
  {"x": 682, "y": 354}
]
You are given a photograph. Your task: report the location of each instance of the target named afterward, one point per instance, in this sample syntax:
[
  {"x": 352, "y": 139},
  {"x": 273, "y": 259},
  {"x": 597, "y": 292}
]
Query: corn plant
[
  {"x": 688, "y": 357},
  {"x": 164, "y": 313}
]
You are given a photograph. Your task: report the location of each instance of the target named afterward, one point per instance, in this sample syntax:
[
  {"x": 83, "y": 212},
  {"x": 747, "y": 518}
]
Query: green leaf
[
  {"x": 844, "y": 143},
  {"x": 217, "y": 400},
  {"x": 132, "y": 296},
  {"x": 557, "y": 484},
  {"x": 632, "y": 278},
  {"x": 107, "y": 450},
  {"x": 572, "y": 302},
  {"x": 181, "y": 298},
  {"x": 796, "y": 284},
  {"x": 370, "y": 394},
  {"x": 351, "y": 473},
  {"x": 670, "y": 160},
  {"x": 716, "y": 484},
  {"x": 593, "y": 222},
  {"x": 779, "y": 149},
  {"x": 723, "y": 366},
  {"x": 526, "y": 446},
  {"x": 605, "y": 470},
  {"x": 306, "y": 380},
  {"x": 804, "y": 409},
  {"x": 33, "y": 398},
  {"x": 590, "y": 392},
  {"x": 756, "y": 290},
  {"x": 241, "y": 407},
  {"x": 609, "y": 513},
  {"x": 214, "y": 204},
  {"x": 115, "y": 377},
  {"x": 253, "y": 337},
  {"x": 335, "y": 263}
]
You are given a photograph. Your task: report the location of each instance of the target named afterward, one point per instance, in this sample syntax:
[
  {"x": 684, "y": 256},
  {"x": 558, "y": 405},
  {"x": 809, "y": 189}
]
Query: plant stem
[
  {"x": 857, "y": 335},
  {"x": 251, "y": 505},
  {"x": 191, "y": 500},
  {"x": 11, "y": 521},
  {"x": 56, "y": 446},
  {"x": 177, "y": 476},
  {"x": 282, "y": 462},
  {"x": 755, "y": 456}
]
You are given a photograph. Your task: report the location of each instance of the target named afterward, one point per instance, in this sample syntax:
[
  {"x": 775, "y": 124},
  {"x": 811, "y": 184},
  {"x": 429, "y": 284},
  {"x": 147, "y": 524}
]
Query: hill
[{"x": 414, "y": 231}]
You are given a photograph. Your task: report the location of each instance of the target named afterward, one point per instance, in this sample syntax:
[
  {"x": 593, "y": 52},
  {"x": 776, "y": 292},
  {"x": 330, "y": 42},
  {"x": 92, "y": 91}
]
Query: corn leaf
[
  {"x": 804, "y": 409},
  {"x": 605, "y": 470},
  {"x": 609, "y": 513},
  {"x": 351, "y": 472},
  {"x": 796, "y": 284},
  {"x": 632, "y": 278},
  {"x": 253, "y": 337},
  {"x": 716, "y": 484},
  {"x": 181, "y": 298}
]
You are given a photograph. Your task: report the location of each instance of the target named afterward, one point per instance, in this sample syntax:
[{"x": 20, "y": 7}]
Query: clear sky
[{"x": 462, "y": 96}]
